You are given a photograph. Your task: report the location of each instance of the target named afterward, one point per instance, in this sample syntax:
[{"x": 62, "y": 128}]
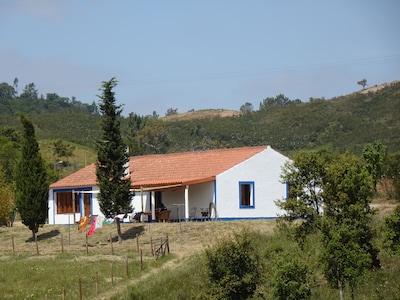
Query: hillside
[
  {"x": 342, "y": 123},
  {"x": 202, "y": 114}
]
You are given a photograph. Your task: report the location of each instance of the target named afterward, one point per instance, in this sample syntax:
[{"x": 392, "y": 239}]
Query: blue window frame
[{"x": 246, "y": 194}]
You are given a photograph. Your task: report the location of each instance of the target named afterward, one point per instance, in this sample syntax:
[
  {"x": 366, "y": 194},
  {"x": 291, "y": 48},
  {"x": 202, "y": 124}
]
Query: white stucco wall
[{"x": 264, "y": 170}]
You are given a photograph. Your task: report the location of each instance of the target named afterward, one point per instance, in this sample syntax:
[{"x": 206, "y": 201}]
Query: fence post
[
  {"x": 80, "y": 289},
  {"x": 62, "y": 243},
  {"x": 167, "y": 243},
  {"x": 97, "y": 283},
  {"x": 141, "y": 259},
  {"x": 151, "y": 245},
  {"x": 13, "y": 244},
  {"x": 137, "y": 242},
  {"x": 37, "y": 245},
  {"x": 111, "y": 243},
  {"x": 112, "y": 274},
  {"x": 126, "y": 267}
]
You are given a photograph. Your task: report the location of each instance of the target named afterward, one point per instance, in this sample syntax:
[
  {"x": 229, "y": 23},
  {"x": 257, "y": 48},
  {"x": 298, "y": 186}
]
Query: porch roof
[{"x": 169, "y": 170}]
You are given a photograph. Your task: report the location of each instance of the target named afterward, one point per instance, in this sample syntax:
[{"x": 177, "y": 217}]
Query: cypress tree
[
  {"x": 32, "y": 186},
  {"x": 112, "y": 159}
]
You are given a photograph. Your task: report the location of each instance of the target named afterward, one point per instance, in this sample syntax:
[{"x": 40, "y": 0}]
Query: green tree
[
  {"x": 305, "y": 179},
  {"x": 246, "y": 108},
  {"x": 9, "y": 151},
  {"x": 62, "y": 149},
  {"x": 154, "y": 138},
  {"x": 279, "y": 101},
  {"x": 6, "y": 199},
  {"x": 234, "y": 266},
  {"x": 362, "y": 82},
  {"x": 375, "y": 157},
  {"x": 30, "y": 92},
  {"x": 347, "y": 234},
  {"x": 332, "y": 193},
  {"x": 16, "y": 85},
  {"x": 171, "y": 111},
  {"x": 291, "y": 279},
  {"x": 7, "y": 91},
  {"x": 391, "y": 229},
  {"x": 32, "y": 186},
  {"x": 343, "y": 259},
  {"x": 393, "y": 172},
  {"x": 113, "y": 161},
  {"x": 136, "y": 124}
]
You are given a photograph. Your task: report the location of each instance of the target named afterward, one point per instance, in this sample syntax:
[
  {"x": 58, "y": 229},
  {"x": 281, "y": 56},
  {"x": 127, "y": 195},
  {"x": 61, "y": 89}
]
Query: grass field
[{"x": 66, "y": 266}]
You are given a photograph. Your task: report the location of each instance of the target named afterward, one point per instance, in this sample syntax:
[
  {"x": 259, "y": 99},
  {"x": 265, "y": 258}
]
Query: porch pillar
[
  {"x": 153, "y": 206},
  {"x": 187, "y": 203}
]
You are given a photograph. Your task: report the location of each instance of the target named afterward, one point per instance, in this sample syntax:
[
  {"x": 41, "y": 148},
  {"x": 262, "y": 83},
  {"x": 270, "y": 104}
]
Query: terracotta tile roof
[
  {"x": 82, "y": 178},
  {"x": 170, "y": 169}
]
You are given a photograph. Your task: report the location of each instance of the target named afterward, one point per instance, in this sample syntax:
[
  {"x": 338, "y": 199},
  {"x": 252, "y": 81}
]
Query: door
[{"x": 86, "y": 204}]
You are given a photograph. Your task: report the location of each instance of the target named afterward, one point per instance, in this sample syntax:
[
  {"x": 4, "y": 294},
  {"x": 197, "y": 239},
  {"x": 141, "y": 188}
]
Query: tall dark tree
[
  {"x": 32, "y": 186},
  {"x": 115, "y": 195}
]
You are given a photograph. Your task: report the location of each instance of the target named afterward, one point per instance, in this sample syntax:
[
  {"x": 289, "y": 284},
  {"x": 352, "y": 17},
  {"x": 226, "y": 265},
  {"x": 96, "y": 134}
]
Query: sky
[{"x": 186, "y": 54}]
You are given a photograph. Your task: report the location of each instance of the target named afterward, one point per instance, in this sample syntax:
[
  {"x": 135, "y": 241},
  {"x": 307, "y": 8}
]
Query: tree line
[{"x": 29, "y": 101}]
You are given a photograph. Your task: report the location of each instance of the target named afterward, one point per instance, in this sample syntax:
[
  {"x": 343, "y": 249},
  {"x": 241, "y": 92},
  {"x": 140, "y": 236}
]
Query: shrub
[
  {"x": 291, "y": 279},
  {"x": 234, "y": 265},
  {"x": 392, "y": 231}
]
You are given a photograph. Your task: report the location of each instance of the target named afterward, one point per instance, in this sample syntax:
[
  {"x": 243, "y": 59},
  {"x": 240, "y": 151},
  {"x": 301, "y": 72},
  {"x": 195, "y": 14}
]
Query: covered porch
[{"x": 176, "y": 202}]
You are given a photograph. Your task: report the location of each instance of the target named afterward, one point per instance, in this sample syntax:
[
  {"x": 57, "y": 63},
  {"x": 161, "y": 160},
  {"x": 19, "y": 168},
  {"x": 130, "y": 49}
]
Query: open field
[{"x": 65, "y": 264}]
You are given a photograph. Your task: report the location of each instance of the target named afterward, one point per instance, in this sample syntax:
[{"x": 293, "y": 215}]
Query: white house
[{"x": 224, "y": 184}]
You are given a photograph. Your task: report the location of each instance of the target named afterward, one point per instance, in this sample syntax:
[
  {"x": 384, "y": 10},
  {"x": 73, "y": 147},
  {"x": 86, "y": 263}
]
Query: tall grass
[{"x": 181, "y": 275}]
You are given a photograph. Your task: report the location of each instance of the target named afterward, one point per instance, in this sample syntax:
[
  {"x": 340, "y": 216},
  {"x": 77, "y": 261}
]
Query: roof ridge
[{"x": 203, "y": 151}]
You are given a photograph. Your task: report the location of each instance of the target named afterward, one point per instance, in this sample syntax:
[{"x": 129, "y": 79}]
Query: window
[
  {"x": 246, "y": 194},
  {"x": 64, "y": 202}
]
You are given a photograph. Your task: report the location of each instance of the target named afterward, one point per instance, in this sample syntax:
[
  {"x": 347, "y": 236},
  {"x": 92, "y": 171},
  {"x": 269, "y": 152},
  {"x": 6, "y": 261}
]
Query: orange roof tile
[
  {"x": 170, "y": 169},
  {"x": 82, "y": 178}
]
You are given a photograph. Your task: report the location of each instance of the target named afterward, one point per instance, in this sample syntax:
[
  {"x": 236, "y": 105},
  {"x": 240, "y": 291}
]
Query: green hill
[{"x": 343, "y": 123}]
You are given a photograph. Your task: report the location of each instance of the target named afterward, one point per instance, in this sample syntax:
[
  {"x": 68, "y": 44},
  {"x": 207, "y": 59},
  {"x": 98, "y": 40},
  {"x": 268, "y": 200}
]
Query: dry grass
[
  {"x": 186, "y": 239},
  {"x": 202, "y": 114}
]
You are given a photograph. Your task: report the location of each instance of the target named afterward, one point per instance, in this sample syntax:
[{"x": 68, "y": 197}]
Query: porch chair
[
  {"x": 163, "y": 216},
  {"x": 192, "y": 214}
]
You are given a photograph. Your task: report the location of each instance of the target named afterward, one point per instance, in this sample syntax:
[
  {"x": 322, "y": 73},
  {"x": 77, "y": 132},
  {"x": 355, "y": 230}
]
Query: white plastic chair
[{"x": 192, "y": 214}]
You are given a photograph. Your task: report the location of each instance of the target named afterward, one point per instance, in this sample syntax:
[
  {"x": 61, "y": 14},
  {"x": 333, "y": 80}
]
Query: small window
[{"x": 246, "y": 194}]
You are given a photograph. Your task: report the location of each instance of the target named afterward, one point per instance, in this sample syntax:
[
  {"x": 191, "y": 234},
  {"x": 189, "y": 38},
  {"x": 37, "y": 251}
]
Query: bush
[
  {"x": 392, "y": 231},
  {"x": 291, "y": 279},
  {"x": 235, "y": 269},
  {"x": 6, "y": 203}
]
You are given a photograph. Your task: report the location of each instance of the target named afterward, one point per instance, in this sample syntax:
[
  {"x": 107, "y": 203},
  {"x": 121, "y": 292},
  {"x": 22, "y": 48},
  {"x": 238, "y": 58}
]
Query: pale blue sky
[{"x": 199, "y": 54}]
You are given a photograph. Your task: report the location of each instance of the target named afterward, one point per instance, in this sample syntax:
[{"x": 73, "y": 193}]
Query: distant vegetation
[{"x": 343, "y": 123}]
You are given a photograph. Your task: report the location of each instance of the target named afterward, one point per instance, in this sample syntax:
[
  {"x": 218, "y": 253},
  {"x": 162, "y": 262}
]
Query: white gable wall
[{"x": 263, "y": 170}]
